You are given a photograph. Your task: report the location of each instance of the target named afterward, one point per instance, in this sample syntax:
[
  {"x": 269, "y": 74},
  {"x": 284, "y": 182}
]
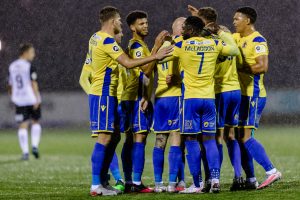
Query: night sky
[{"x": 60, "y": 30}]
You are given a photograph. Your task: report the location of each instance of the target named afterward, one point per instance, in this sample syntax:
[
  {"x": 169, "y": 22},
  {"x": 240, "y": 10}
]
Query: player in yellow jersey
[
  {"x": 228, "y": 97},
  {"x": 253, "y": 64},
  {"x": 85, "y": 82},
  {"x": 135, "y": 104},
  {"x": 166, "y": 118},
  {"x": 102, "y": 54},
  {"x": 197, "y": 56}
]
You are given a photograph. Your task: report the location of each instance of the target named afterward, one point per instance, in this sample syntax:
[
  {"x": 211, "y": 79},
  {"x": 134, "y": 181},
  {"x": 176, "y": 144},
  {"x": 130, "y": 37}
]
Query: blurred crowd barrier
[{"x": 70, "y": 109}]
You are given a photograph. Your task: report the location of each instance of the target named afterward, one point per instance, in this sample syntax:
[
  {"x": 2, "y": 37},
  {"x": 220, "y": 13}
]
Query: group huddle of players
[{"x": 208, "y": 89}]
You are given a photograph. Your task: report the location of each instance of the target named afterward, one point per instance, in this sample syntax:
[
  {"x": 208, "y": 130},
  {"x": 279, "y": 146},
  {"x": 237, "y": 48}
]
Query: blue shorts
[
  {"x": 228, "y": 105},
  {"x": 103, "y": 114},
  {"x": 250, "y": 111},
  {"x": 198, "y": 115},
  {"x": 166, "y": 114},
  {"x": 133, "y": 119}
]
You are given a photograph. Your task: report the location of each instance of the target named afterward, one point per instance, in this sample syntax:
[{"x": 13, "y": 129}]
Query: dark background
[{"x": 60, "y": 30}]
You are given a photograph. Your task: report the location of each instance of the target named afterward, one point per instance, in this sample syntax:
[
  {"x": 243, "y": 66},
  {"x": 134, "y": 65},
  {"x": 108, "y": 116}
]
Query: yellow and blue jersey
[
  {"x": 103, "y": 51},
  {"x": 165, "y": 69},
  {"x": 251, "y": 47},
  {"x": 122, "y": 81},
  {"x": 135, "y": 88},
  {"x": 198, "y": 56}
]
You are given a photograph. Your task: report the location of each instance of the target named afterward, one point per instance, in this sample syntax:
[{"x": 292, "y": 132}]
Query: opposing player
[
  {"x": 228, "y": 97},
  {"x": 136, "y": 102},
  {"x": 166, "y": 118},
  {"x": 198, "y": 57},
  {"x": 253, "y": 65},
  {"x": 103, "y": 51},
  {"x": 24, "y": 91},
  {"x": 85, "y": 83}
]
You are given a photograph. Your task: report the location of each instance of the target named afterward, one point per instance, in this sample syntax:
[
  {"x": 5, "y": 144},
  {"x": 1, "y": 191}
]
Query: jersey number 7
[{"x": 201, "y": 62}]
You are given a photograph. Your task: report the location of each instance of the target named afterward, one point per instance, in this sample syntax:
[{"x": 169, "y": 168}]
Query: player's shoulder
[
  {"x": 101, "y": 38},
  {"x": 135, "y": 44},
  {"x": 258, "y": 38},
  {"x": 236, "y": 36},
  {"x": 19, "y": 62}
]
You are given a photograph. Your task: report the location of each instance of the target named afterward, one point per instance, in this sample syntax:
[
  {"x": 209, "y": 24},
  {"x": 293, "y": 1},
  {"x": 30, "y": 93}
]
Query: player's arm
[
  {"x": 230, "y": 48},
  {"x": 159, "y": 40},
  {"x": 261, "y": 66},
  {"x": 35, "y": 86},
  {"x": 84, "y": 80},
  {"x": 127, "y": 62},
  {"x": 193, "y": 10}
]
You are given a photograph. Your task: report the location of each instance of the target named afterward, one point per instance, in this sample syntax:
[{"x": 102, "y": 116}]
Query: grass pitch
[{"x": 63, "y": 172}]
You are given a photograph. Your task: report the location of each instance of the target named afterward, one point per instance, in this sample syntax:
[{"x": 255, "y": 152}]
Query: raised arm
[{"x": 127, "y": 62}]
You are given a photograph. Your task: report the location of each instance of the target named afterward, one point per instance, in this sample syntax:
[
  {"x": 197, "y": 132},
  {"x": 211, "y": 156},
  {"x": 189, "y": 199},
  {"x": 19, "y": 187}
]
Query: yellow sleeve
[
  {"x": 260, "y": 47},
  {"x": 137, "y": 52},
  {"x": 85, "y": 77},
  {"x": 227, "y": 45},
  {"x": 111, "y": 47}
]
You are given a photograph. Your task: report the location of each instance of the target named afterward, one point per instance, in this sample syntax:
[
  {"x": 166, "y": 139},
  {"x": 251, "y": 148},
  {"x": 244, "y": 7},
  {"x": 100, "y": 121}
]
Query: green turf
[{"x": 63, "y": 172}]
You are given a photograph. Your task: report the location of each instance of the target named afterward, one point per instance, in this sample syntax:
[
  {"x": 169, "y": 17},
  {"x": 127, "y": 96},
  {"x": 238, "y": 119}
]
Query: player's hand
[
  {"x": 144, "y": 104},
  {"x": 36, "y": 106},
  {"x": 159, "y": 40},
  {"x": 169, "y": 79},
  {"x": 213, "y": 27},
  {"x": 164, "y": 52},
  {"x": 193, "y": 10}
]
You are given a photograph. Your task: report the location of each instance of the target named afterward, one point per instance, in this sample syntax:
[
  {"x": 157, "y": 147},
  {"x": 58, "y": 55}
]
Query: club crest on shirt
[
  {"x": 260, "y": 49},
  {"x": 138, "y": 54},
  {"x": 116, "y": 48}
]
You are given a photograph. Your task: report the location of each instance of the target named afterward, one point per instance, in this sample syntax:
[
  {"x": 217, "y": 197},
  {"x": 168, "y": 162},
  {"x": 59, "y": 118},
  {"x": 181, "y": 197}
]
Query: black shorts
[{"x": 24, "y": 113}]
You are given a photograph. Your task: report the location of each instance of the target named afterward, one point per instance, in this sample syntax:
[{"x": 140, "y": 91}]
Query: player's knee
[
  {"x": 175, "y": 139},
  {"x": 190, "y": 137},
  {"x": 104, "y": 139},
  {"x": 140, "y": 137},
  {"x": 161, "y": 141},
  {"x": 208, "y": 137},
  {"x": 24, "y": 125},
  {"x": 229, "y": 134}
]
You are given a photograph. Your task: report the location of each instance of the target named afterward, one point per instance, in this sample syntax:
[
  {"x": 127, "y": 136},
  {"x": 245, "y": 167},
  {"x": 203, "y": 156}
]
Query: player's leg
[
  {"x": 208, "y": 123},
  {"x": 114, "y": 164},
  {"x": 246, "y": 157},
  {"x": 160, "y": 128},
  {"x": 221, "y": 107},
  {"x": 256, "y": 149},
  {"x": 175, "y": 152},
  {"x": 141, "y": 129},
  {"x": 158, "y": 160},
  {"x": 175, "y": 160},
  {"x": 181, "y": 176},
  {"x": 231, "y": 121},
  {"x": 100, "y": 118},
  {"x": 109, "y": 154},
  {"x": 207, "y": 179},
  {"x": 22, "y": 117},
  {"x": 126, "y": 154},
  {"x": 36, "y": 131},
  {"x": 190, "y": 127}
]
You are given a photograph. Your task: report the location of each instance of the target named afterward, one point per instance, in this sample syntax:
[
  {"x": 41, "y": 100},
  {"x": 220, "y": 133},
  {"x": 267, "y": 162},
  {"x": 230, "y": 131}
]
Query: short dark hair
[
  {"x": 24, "y": 47},
  {"x": 249, "y": 12},
  {"x": 208, "y": 13},
  {"x": 107, "y": 13},
  {"x": 134, "y": 15},
  {"x": 195, "y": 24}
]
